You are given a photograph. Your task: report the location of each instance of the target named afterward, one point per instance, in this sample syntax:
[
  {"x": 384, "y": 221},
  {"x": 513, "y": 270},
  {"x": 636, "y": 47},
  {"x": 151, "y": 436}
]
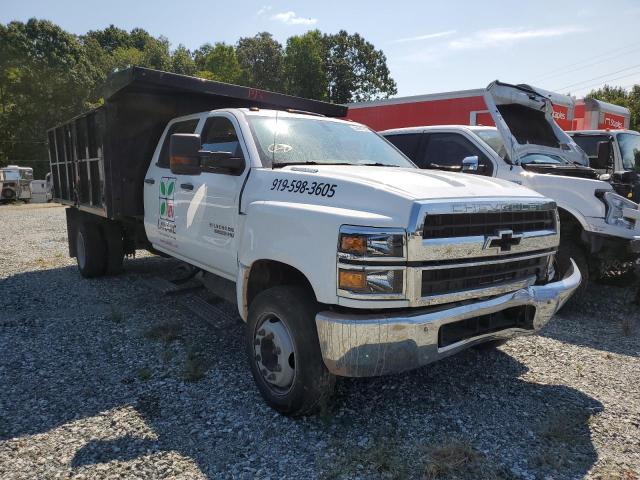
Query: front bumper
[{"x": 366, "y": 345}]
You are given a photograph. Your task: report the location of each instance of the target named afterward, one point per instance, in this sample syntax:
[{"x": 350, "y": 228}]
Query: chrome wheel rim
[{"x": 274, "y": 354}]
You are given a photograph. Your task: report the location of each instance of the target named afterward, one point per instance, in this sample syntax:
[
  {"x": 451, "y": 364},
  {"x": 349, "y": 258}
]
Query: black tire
[
  {"x": 91, "y": 251},
  {"x": 312, "y": 384},
  {"x": 571, "y": 248}
]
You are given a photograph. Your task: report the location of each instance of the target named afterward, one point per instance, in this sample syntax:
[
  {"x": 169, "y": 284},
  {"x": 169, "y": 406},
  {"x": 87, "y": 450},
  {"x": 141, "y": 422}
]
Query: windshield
[
  {"x": 294, "y": 141},
  {"x": 630, "y": 150},
  {"x": 494, "y": 140},
  {"x": 543, "y": 159},
  {"x": 10, "y": 175}
]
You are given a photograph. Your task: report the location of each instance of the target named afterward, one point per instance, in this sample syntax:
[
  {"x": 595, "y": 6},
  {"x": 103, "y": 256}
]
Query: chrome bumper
[{"x": 369, "y": 345}]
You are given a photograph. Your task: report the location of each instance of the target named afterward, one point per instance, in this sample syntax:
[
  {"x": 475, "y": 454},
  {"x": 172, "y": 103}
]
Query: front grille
[
  {"x": 449, "y": 225},
  {"x": 457, "y": 279},
  {"x": 515, "y": 317}
]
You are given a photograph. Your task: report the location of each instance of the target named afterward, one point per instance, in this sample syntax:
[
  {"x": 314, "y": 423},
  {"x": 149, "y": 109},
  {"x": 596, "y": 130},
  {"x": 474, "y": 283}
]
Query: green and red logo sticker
[{"x": 167, "y": 189}]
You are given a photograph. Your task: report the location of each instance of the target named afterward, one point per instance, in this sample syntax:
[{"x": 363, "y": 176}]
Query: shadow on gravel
[
  {"x": 66, "y": 357},
  {"x": 606, "y": 318},
  {"x": 476, "y": 398}
]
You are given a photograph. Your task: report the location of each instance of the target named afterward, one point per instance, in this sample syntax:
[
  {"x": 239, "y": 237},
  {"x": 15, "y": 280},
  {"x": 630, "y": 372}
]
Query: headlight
[
  {"x": 365, "y": 280},
  {"x": 615, "y": 204},
  {"x": 361, "y": 250},
  {"x": 358, "y": 243}
]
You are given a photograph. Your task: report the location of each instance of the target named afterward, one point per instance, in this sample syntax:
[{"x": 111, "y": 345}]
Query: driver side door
[{"x": 211, "y": 213}]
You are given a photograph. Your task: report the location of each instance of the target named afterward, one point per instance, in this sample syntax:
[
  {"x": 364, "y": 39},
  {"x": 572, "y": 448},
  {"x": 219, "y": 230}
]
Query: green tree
[
  {"x": 261, "y": 58},
  {"x": 45, "y": 78},
  {"x": 620, "y": 96},
  {"x": 182, "y": 61},
  {"x": 356, "y": 70},
  {"x": 110, "y": 38},
  {"x": 219, "y": 63},
  {"x": 304, "y": 66}
]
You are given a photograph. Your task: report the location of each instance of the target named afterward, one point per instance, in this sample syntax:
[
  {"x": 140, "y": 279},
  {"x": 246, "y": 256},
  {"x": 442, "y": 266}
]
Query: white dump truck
[
  {"x": 600, "y": 229},
  {"x": 342, "y": 257}
]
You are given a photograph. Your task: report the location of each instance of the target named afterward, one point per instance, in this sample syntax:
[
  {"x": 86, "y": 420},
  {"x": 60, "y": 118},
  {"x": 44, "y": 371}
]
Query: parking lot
[{"x": 114, "y": 378}]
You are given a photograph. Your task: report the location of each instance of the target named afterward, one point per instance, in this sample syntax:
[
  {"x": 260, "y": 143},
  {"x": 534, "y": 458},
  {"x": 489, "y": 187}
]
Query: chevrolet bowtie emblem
[{"x": 504, "y": 239}]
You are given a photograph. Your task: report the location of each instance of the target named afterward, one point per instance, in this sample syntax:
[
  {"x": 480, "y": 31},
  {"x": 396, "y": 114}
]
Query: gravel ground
[{"x": 108, "y": 378}]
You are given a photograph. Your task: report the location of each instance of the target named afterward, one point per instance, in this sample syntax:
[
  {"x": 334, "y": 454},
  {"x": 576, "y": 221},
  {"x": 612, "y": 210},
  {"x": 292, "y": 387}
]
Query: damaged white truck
[
  {"x": 600, "y": 229},
  {"x": 342, "y": 256}
]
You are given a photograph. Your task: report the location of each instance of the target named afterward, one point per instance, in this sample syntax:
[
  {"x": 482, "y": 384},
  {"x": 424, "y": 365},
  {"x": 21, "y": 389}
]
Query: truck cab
[
  {"x": 599, "y": 227},
  {"x": 616, "y": 155},
  {"x": 343, "y": 257}
]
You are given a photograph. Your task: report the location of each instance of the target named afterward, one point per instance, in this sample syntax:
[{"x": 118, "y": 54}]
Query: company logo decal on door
[{"x": 166, "y": 222}]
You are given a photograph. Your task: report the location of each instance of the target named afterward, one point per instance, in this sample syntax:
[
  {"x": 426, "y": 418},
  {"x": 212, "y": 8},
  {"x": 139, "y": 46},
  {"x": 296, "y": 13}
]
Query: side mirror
[
  {"x": 216, "y": 161},
  {"x": 603, "y": 161},
  {"x": 184, "y": 156},
  {"x": 470, "y": 164}
]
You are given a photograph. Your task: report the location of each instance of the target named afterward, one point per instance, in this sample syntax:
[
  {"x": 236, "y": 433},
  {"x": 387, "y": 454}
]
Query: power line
[
  {"x": 587, "y": 87},
  {"x": 598, "y": 77},
  {"x": 591, "y": 58},
  {"x": 565, "y": 71}
]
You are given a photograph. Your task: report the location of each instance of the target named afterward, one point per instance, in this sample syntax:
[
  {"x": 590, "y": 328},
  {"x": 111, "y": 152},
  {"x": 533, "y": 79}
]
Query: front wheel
[{"x": 284, "y": 353}]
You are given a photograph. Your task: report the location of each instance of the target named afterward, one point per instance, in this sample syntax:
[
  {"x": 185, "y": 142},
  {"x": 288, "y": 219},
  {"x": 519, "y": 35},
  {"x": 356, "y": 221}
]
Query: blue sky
[{"x": 431, "y": 46}]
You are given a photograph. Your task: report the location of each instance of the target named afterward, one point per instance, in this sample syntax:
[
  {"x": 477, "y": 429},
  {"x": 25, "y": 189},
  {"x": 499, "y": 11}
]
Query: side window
[
  {"x": 407, "y": 143},
  {"x": 187, "y": 126},
  {"x": 447, "y": 150},
  {"x": 589, "y": 143},
  {"x": 219, "y": 135}
]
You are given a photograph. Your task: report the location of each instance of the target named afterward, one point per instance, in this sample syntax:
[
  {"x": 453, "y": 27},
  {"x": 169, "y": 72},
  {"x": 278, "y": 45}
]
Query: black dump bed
[{"x": 99, "y": 159}]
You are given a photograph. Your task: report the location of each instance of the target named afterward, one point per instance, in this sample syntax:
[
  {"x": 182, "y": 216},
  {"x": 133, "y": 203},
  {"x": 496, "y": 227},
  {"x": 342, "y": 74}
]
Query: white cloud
[
  {"x": 508, "y": 36},
  {"x": 428, "y": 36},
  {"x": 264, "y": 10},
  {"x": 484, "y": 39},
  {"x": 290, "y": 18}
]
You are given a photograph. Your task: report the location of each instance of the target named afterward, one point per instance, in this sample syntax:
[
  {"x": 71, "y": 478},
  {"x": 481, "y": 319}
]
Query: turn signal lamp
[
  {"x": 354, "y": 244},
  {"x": 354, "y": 280}
]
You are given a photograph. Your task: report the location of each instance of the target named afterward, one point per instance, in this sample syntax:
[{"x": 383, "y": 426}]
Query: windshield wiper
[
  {"x": 377, "y": 164},
  {"x": 286, "y": 164}
]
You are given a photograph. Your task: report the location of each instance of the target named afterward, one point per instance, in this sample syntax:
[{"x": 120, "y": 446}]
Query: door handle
[
  {"x": 186, "y": 186},
  {"x": 150, "y": 181}
]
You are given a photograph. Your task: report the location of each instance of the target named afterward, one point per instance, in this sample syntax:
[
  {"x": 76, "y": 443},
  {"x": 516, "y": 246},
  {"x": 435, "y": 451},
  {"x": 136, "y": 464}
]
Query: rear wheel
[
  {"x": 284, "y": 353},
  {"x": 91, "y": 251}
]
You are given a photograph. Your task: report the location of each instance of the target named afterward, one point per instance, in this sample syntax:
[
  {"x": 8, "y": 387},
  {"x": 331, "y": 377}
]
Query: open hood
[{"x": 524, "y": 118}]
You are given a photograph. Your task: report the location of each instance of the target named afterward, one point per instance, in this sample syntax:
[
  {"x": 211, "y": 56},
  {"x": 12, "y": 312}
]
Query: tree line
[{"x": 48, "y": 75}]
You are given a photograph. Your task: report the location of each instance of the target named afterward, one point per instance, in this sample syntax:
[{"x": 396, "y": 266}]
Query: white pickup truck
[
  {"x": 616, "y": 155},
  {"x": 342, "y": 256},
  {"x": 599, "y": 228}
]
